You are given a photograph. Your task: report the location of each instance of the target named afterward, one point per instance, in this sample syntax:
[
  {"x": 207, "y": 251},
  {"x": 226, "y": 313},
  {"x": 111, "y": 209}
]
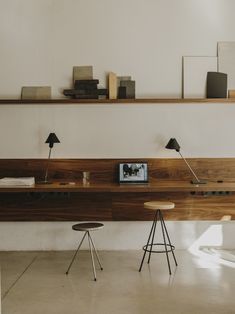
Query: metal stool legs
[
  {"x": 91, "y": 247},
  {"x": 152, "y": 228},
  {"x": 149, "y": 246},
  {"x": 92, "y": 258},
  {"x": 75, "y": 253},
  {"x": 169, "y": 241},
  {"x": 96, "y": 253}
]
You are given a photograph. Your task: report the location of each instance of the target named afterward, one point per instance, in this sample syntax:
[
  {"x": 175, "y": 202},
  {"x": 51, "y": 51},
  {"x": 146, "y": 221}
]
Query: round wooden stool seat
[
  {"x": 155, "y": 205},
  {"x": 88, "y": 226}
]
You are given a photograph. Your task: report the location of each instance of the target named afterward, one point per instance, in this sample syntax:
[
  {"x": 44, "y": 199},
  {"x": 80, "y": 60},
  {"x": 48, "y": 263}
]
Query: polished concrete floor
[{"x": 35, "y": 283}]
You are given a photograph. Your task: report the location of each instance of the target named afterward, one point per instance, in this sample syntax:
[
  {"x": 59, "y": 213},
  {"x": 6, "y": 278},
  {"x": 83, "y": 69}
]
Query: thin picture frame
[{"x": 133, "y": 172}]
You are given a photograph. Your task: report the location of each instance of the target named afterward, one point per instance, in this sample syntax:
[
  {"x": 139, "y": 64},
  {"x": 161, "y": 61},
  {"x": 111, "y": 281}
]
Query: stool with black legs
[
  {"x": 87, "y": 227},
  {"x": 158, "y": 207}
]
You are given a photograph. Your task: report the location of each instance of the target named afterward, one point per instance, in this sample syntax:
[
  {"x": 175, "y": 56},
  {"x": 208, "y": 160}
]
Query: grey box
[
  {"x": 122, "y": 78},
  {"x": 130, "y": 88},
  {"x": 36, "y": 92},
  {"x": 216, "y": 85}
]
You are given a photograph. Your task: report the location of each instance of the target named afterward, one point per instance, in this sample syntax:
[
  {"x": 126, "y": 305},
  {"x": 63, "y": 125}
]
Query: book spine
[
  {"x": 85, "y": 86},
  {"x": 86, "y": 82},
  {"x": 80, "y": 92}
]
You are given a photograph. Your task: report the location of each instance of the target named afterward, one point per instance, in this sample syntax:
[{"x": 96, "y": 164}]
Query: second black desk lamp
[
  {"x": 173, "y": 144},
  {"x": 51, "y": 140}
]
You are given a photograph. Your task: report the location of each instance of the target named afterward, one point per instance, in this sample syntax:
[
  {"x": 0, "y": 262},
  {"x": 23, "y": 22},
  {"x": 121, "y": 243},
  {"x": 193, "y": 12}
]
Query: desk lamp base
[{"x": 198, "y": 182}]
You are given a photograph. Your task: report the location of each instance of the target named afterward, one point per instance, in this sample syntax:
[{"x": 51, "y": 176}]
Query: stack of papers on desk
[{"x": 27, "y": 181}]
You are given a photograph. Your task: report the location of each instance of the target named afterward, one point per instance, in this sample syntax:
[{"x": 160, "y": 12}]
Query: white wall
[
  {"x": 40, "y": 42},
  {"x": 114, "y": 236},
  {"x": 117, "y": 131}
]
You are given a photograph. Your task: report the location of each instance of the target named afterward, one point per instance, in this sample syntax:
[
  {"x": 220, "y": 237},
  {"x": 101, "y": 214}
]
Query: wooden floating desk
[
  {"x": 161, "y": 186},
  {"x": 107, "y": 202}
]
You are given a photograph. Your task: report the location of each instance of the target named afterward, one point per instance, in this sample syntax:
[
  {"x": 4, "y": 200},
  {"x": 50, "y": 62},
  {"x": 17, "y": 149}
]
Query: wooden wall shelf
[{"x": 117, "y": 101}]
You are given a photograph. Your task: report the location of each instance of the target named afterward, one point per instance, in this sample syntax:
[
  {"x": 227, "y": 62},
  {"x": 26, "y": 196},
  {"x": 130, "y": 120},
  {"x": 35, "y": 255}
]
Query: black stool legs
[
  {"x": 152, "y": 228},
  {"x": 150, "y": 243},
  {"x": 169, "y": 241}
]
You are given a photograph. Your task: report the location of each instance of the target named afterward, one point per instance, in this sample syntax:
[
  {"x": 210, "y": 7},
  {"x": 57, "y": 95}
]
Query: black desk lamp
[
  {"x": 173, "y": 144},
  {"x": 51, "y": 140}
]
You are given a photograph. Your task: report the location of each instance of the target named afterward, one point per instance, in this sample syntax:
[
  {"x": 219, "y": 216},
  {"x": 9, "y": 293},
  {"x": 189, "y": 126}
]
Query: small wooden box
[
  {"x": 36, "y": 92},
  {"x": 112, "y": 79}
]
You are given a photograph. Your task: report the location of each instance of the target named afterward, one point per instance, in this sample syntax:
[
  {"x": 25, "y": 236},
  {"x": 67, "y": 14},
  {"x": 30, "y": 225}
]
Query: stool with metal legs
[
  {"x": 87, "y": 227},
  {"x": 168, "y": 247}
]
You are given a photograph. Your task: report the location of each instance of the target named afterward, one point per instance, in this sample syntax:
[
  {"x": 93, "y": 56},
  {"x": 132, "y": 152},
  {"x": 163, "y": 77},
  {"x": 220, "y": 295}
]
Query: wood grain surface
[{"x": 104, "y": 199}]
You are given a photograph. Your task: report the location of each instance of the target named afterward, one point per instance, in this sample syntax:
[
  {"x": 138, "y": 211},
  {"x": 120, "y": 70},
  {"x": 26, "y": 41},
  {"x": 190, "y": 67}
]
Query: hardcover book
[{"x": 216, "y": 85}]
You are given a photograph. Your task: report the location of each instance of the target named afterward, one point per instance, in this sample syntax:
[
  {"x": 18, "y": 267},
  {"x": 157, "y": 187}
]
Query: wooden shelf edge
[{"x": 117, "y": 101}]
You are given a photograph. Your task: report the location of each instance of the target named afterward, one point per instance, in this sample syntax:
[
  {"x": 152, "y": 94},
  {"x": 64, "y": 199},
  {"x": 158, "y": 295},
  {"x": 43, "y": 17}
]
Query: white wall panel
[
  {"x": 226, "y": 61},
  {"x": 117, "y": 131},
  {"x": 41, "y": 40},
  {"x": 195, "y": 74}
]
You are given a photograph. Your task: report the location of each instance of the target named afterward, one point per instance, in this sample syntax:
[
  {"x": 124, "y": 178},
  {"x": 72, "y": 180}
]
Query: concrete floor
[{"x": 35, "y": 283}]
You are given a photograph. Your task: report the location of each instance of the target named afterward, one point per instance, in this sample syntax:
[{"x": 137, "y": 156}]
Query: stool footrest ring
[{"x": 171, "y": 248}]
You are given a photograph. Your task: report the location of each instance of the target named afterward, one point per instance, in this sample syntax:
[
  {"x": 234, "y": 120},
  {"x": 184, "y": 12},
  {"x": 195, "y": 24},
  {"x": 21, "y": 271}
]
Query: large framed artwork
[{"x": 133, "y": 172}]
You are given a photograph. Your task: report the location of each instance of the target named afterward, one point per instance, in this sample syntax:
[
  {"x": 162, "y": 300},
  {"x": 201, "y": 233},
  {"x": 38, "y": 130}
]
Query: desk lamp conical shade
[
  {"x": 173, "y": 144},
  {"x": 51, "y": 140}
]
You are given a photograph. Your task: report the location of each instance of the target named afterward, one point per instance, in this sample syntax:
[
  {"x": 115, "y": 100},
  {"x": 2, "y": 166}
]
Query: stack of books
[{"x": 86, "y": 89}]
